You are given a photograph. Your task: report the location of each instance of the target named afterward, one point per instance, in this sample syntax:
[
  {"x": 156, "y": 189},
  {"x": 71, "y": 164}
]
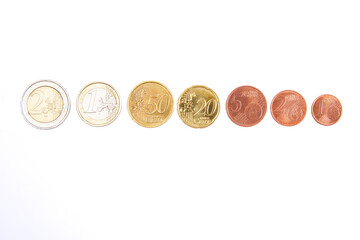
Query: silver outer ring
[{"x": 64, "y": 113}]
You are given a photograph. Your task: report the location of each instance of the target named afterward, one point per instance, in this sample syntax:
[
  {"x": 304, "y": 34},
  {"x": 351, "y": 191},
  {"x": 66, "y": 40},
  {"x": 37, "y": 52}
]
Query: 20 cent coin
[{"x": 198, "y": 106}]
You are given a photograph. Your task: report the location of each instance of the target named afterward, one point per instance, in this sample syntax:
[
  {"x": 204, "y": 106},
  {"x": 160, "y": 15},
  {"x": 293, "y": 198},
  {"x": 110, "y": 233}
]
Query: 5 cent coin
[
  {"x": 45, "y": 104},
  {"x": 150, "y": 104},
  {"x": 246, "y": 106},
  {"x": 288, "y": 108},
  {"x": 326, "y": 110},
  {"x": 98, "y": 104},
  {"x": 198, "y": 106}
]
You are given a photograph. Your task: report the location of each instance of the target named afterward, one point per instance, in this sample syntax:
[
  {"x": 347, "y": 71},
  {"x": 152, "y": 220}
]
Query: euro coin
[
  {"x": 246, "y": 106},
  {"x": 45, "y": 104},
  {"x": 326, "y": 110},
  {"x": 198, "y": 106},
  {"x": 98, "y": 104},
  {"x": 150, "y": 104},
  {"x": 288, "y": 108}
]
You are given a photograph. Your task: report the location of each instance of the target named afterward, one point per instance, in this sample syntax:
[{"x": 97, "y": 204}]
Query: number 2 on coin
[
  {"x": 293, "y": 113},
  {"x": 38, "y": 102}
]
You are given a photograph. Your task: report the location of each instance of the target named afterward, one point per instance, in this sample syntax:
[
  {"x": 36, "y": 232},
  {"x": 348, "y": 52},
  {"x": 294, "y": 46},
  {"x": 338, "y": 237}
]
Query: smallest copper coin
[
  {"x": 246, "y": 106},
  {"x": 288, "y": 108},
  {"x": 326, "y": 110}
]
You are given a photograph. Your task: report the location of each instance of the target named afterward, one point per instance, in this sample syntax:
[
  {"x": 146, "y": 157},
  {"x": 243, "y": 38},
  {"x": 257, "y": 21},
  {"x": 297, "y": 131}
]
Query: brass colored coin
[
  {"x": 48, "y": 110},
  {"x": 326, "y": 110},
  {"x": 198, "y": 106},
  {"x": 45, "y": 104},
  {"x": 150, "y": 104},
  {"x": 98, "y": 104}
]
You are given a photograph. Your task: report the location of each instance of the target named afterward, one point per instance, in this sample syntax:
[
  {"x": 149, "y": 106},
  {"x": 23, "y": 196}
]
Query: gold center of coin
[
  {"x": 198, "y": 106},
  {"x": 150, "y": 104},
  {"x": 45, "y": 104}
]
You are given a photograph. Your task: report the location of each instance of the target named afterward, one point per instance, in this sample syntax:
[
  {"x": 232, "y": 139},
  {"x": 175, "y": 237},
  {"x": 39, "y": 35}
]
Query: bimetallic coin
[
  {"x": 326, "y": 110},
  {"x": 288, "y": 108},
  {"x": 246, "y": 106},
  {"x": 45, "y": 104},
  {"x": 98, "y": 104},
  {"x": 150, "y": 104},
  {"x": 198, "y": 106}
]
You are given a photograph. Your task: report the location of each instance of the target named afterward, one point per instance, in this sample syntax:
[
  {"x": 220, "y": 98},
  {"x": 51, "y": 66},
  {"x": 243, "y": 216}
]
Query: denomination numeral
[
  {"x": 91, "y": 105},
  {"x": 293, "y": 113},
  {"x": 281, "y": 105},
  {"x": 38, "y": 102},
  {"x": 36, "y": 108},
  {"x": 208, "y": 108},
  {"x": 158, "y": 106},
  {"x": 327, "y": 110},
  {"x": 237, "y": 103}
]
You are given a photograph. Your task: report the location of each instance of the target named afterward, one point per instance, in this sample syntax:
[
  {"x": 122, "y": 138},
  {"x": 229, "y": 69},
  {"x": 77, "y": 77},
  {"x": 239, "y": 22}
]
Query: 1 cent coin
[
  {"x": 198, "y": 106},
  {"x": 246, "y": 106},
  {"x": 288, "y": 108},
  {"x": 326, "y": 110},
  {"x": 45, "y": 104},
  {"x": 98, "y": 104},
  {"x": 150, "y": 104}
]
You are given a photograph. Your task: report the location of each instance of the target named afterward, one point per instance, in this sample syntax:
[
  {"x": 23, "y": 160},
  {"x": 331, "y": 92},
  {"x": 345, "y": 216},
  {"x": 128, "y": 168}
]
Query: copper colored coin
[
  {"x": 246, "y": 106},
  {"x": 326, "y": 110},
  {"x": 288, "y": 108}
]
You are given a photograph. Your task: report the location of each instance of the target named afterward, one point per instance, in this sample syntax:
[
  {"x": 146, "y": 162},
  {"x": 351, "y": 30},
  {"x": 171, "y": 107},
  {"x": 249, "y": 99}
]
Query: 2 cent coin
[{"x": 288, "y": 108}]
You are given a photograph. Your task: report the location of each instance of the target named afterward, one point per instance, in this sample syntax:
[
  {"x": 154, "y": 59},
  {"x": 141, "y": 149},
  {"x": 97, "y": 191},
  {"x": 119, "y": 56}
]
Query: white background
[{"x": 124, "y": 181}]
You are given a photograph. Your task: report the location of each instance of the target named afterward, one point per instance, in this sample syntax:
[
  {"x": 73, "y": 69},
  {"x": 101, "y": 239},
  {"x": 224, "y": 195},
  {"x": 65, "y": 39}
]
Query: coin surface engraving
[
  {"x": 150, "y": 104},
  {"x": 98, "y": 104},
  {"x": 246, "y": 106},
  {"x": 288, "y": 108},
  {"x": 198, "y": 106},
  {"x": 326, "y": 110},
  {"x": 45, "y": 104}
]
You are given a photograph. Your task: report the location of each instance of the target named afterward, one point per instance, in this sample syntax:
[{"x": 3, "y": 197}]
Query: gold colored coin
[
  {"x": 44, "y": 104},
  {"x": 150, "y": 104},
  {"x": 98, "y": 104},
  {"x": 198, "y": 106}
]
